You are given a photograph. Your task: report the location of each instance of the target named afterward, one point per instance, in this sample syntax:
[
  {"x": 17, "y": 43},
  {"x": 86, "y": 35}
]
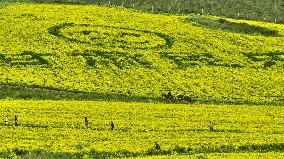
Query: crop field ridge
[
  {"x": 265, "y": 10},
  {"x": 150, "y": 152},
  {"x": 38, "y": 93}
]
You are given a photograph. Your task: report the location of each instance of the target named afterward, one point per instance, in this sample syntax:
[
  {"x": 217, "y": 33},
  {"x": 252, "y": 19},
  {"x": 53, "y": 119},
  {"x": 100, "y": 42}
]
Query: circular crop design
[{"x": 111, "y": 37}]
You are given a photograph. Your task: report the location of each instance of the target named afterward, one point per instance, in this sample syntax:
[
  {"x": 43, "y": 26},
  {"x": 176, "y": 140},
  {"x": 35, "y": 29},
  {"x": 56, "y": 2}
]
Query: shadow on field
[
  {"x": 58, "y": 126},
  {"x": 228, "y": 131},
  {"x": 38, "y": 93},
  {"x": 207, "y": 130},
  {"x": 35, "y": 126},
  {"x": 193, "y": 130},
  {"x": 177, "y": 150}
]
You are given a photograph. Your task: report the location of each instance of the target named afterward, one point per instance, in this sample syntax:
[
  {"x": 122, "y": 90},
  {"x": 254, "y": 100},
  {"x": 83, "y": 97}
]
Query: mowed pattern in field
[
  {"x": 59, "y": 126},
  {"x": 125, "y": 52}
]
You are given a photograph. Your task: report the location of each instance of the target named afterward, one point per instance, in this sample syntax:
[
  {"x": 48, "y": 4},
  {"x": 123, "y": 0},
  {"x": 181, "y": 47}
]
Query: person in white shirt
[
  {"x": 6, "y": 120},
  {"x": 211, "y": 126}
]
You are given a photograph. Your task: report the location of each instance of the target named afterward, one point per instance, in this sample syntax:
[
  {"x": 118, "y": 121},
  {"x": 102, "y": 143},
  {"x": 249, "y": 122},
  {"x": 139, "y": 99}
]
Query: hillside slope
[
  {"x": 115, "y": 51},
  {"x": 264, "y": 10}
]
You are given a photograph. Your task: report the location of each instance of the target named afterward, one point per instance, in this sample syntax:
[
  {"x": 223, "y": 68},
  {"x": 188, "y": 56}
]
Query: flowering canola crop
[{"x": 126, "y": 52}]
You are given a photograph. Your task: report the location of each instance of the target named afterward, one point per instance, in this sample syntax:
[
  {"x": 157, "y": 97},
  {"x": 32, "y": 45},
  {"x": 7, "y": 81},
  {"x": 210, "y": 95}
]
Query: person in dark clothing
[
  {"x": 157, "y": 146},
  {"x": 169, "y": 93},
  {"x": 86, "y": 122},
  {"x": 16, "y": 120},
  {"x": 111, "y": 125}
]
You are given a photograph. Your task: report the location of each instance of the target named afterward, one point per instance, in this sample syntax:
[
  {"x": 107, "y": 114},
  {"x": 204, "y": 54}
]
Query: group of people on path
[
  {"x": 111, "y": 124},
  {"x": 15, "y": 120},
  {"x": 86, "y": 122},
  {"x": 182, "y": 97},
  {"x": 157, "y": 146}
]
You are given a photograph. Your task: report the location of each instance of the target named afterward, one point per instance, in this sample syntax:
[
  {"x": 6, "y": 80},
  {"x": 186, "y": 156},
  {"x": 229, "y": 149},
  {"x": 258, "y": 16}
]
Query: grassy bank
[{"x": 264, "y": 10}]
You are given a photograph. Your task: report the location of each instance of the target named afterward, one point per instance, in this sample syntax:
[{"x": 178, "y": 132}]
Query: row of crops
[
  {"x": 58, "y": 127},
  {"x": 106, "y": 51},
  {"x": 265, "y": 10}
]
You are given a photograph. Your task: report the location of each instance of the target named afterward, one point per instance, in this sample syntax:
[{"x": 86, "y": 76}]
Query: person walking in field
[
  {"x": 86, "y": 122},
  {"x": 6, "y": 120},
  {"x": 211, "y": 126},
  {"x": 169, "y": 93},
  {"x": 111, "y": 125},
  {"x": 16, "y": 120},
  {"x": 157, "y": 146}
]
